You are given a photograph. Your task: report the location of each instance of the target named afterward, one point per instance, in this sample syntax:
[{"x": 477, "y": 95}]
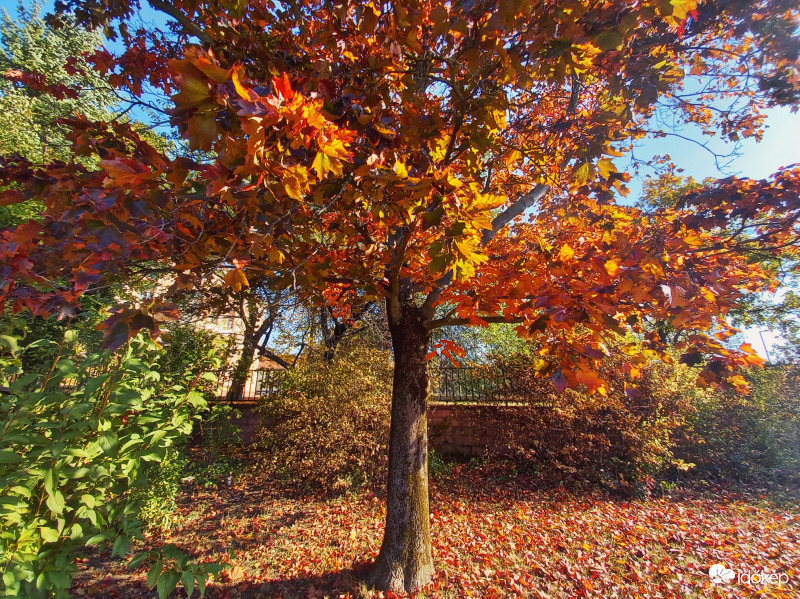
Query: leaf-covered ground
[{"x": 495, "y": 535}]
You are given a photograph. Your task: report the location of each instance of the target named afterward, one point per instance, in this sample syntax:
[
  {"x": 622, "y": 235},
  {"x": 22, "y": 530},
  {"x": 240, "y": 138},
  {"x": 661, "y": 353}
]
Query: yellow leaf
[
  {"x": 566, "y": 253},
  {"x": 400, "y": 169},
  {"x": 295, "y": 181},
  {"x": 581, "y": 173},
  {"x": 606, "y": 167},
  {"x": 439, "y": 148},
  {"x": 592, "y": 381},
  {"x": 512, "y": 157},
  {"x": 325, "y": 164},
  {"x": 335, "y": 148},
  {"x": 612, "y": 266},
  {"x": 488, "y": 201},
  {"x": 453, "y": 181},
  {"x": 314, "y": 117},
  {"x": 192, "y": 92},
  {"x": 245, "y": 93},
  {"x": 499, "y": 117},
  {"x": 681, "y": 7},
  {"x": 236, "y": 279},
  {"x": 276, "y": 255}
]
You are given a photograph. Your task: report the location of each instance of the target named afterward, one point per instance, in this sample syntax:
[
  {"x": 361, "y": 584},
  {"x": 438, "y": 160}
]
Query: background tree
[
  {"x": 453, "y": 161},
  {"x": 33, "y": 54},
  {"x": 775, "y": 310}
]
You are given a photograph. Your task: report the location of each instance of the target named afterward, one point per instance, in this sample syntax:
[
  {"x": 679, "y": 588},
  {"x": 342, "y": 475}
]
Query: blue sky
[{"x": 779, "y": 147}]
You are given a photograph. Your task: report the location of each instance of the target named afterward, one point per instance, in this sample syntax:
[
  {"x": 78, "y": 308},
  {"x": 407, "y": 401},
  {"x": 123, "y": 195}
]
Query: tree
[
  {"x": 452, "y": 160},
  {"x": 776, "y": 310},
  {"x": 31, "y": 53}
]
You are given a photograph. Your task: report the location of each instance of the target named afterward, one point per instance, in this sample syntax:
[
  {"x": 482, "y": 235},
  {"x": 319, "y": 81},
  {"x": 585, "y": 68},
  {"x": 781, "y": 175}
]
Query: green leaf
[
  {"x": 60, "y": 579},
  {"x": 9, "y": 343},
  {"x": 98, "y": 538},
  {"x": 9, "y": 456},
  {"x": 8, "y": 578},
  {"x": 137, "y": 560},
  {"x": 55, "y": 503},
  {"x": 121, "y": 545},
  {"x": 154, "y": 573},
  {"x": 187, "y": 578},
  {"x": 608, "y": 40},
  {"x": 49, "y": 535},
  {"x": 167, "y": 583}
]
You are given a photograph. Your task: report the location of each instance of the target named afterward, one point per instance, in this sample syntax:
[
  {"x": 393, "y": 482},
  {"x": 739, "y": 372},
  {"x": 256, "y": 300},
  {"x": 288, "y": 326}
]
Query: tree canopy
[{"x": 455, "y": 160}]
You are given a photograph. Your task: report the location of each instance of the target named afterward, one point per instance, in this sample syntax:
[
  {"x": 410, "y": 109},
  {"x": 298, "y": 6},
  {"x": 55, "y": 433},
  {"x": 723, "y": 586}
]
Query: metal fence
[
  {"x": 484, "y": 385},
  {"x": 449, "y": 385},
  {"x": 260, "y": 383},
  {"x": 66, "y": 384}
]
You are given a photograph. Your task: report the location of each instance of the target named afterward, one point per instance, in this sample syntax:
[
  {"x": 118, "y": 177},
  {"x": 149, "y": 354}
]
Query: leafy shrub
[
  {"x": 328, "y": 428},
  {"x": 614, "y": 440},
  {"x": 438, "y": 464},
  {"x": 748, "y": 437},
  {"x": 69, "y": 461},
  {"x": 157, "y": 500},
  {"x": 187, "y": 355},
  {"x": 189, "y": 352},
  {"x": 219, "y": 430}
]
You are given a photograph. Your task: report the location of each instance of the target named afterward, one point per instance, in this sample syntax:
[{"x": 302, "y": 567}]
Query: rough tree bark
[
  {"x": 249, "y": 346},
  {"x": 405, "y": 560},
  {"x": 242, "y": 370}
]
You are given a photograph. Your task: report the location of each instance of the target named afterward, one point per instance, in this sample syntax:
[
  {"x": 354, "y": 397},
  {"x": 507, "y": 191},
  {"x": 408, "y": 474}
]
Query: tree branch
[
  {"x": 188, "y": 25},
  {"x": 513, "y": 211},
  {"x": 500, "y": 221},
  {"x": 274, "y": 357},
  {"x": 457, "y": 322}
]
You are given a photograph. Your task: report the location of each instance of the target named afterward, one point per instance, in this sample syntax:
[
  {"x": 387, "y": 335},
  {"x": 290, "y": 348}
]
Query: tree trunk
[
  {"x": 405, "y": 561},
  {"x": 249, "y": 347},
  {"x": 242, "y": 370}
]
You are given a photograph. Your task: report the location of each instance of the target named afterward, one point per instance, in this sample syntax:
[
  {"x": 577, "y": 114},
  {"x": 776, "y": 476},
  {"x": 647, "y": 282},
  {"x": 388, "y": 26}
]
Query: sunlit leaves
[
  {"x": 388, "y": 150},
  {"x": 236, "y": 279},
  {"x": 324, "y": 164}
]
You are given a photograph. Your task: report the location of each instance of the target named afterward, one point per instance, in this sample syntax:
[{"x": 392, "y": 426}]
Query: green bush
[
  {"x": 70, "y": 462},
  {"x": 189, "y": 352},
  {"x": 328, "y": 429},
  {"x": 751, "y": 436},
  {"x": 157, "y": 500}
]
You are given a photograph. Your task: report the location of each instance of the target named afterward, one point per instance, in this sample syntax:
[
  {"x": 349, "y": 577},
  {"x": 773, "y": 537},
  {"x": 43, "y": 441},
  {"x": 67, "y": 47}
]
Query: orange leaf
[
  {"x": 236, "y": 279},
  {"x": 283, "y": 87},
  {"x": 612, "y": 266},
  {"x": 244, "y": 92}
]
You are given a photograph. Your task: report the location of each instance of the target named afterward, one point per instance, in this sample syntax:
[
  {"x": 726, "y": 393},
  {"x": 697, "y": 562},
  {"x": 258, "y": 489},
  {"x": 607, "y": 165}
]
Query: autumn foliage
[
  {"x": 327, "y": 431},
  {"x": 458, "y": 161}
]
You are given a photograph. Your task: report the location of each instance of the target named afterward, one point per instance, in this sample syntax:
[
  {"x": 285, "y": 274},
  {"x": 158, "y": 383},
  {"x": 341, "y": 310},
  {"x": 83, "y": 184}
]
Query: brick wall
[{"x": 451, "y": 430}]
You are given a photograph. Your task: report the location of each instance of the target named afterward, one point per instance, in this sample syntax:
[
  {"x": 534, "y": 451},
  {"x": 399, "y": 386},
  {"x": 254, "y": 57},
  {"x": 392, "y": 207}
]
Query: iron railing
[
  {"x": 259, "y": 383},
  {"x": 483, "y": 385},
  {"x": 449, "y": 385}
]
